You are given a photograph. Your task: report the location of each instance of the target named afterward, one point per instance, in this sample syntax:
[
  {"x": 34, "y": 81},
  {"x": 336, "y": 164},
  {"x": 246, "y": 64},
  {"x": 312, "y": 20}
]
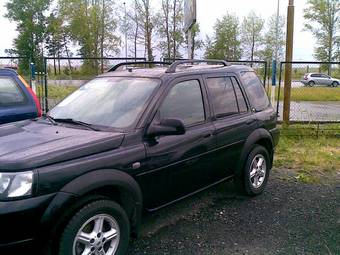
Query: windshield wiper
[
  {"x": 51, "y": 119},
  {"x": 76, "y": 122}
]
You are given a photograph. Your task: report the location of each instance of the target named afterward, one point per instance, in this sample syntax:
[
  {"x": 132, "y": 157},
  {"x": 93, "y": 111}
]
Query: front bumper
[{"x": 20, "y": 220}]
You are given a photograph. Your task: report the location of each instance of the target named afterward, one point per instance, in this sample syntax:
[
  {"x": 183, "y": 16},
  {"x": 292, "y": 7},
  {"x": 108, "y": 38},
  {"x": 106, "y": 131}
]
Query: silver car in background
[{"x": 311, "y": 79}]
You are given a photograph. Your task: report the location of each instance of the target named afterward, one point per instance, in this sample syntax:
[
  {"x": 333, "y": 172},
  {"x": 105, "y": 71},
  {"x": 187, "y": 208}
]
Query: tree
[
  {"x": 92, "y": 24},
  {"x": 225, "y": 43},
  {"x": 55, "y": 40},
  {"x": 251, "y": 36},
  {"x": 132, "y": 27},
  {"x": 196, "y": 42},
  {"x": 323, "y": 18},
  {"x": 271, "y": 43},
  {"x": 146, "y": 21},
  {"x": 31, "y": 26},
  {"x": 170, "y": 28}
]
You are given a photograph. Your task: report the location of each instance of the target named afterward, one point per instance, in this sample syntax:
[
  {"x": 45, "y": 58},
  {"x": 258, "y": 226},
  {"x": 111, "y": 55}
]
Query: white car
[{"x": 311, "y": 79}]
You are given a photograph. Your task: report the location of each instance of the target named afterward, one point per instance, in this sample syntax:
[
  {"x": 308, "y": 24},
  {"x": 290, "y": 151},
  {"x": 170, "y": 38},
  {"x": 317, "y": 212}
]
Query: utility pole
[
  {"x": 125, "y": 25},
  {"x": 275, "y": 60},
  {"x": 190, "y": 42},
  {"x": 289, "y": 57}
]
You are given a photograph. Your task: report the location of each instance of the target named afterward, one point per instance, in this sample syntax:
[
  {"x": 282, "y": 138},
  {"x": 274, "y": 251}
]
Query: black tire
[
  {"x": 311, "y": 83},
  {"x": 90, "y": 210},
  {"x": 335, "y": 84},
  {"x": 247, "y": 182}
]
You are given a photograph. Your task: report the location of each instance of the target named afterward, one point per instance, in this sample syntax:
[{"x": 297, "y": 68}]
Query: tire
[
  {"x": 335, "y": 84},
  {"x": 113, "y": 217},
  {"x": 311, "y": 83},
  {"x": 261, "y": 173}
]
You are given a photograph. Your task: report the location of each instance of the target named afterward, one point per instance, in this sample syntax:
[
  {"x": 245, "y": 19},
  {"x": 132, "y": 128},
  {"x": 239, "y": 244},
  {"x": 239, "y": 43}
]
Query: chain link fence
[{"x": 315, "y": 92}]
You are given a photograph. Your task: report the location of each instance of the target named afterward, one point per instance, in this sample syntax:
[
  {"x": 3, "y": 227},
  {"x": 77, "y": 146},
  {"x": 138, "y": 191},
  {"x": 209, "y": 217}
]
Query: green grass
[
  {"x": 307, "y": 158},
  {"x": 312, "y": 94},
  {"x": 56, "y": 92}
]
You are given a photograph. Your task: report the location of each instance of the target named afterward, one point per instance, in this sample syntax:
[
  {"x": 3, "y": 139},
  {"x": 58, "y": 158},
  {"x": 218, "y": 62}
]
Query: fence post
[
  {"x": 289, "y": 56},
  {"x": 265, "y": 74},
  {"x": 46, "y": 88},
  {"x": 279, "y": 91}
]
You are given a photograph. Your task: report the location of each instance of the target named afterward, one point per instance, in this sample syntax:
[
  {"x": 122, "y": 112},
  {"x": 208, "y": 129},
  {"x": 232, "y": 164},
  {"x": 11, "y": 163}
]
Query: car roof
[
  {"x": 8, "y": 71},
  {"x": 161, "y": 72}
]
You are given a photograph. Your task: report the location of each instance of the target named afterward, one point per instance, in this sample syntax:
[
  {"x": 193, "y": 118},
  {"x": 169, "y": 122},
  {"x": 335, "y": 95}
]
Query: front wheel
[
  {"x": 256, "y": 171},
  {"x": 335, "y": 84},
  {"x": 101, "y": 227}
]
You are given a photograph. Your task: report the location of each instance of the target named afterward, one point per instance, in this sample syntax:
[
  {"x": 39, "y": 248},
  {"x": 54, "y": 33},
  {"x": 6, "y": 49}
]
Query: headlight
[{"x": 14, "y": 185}]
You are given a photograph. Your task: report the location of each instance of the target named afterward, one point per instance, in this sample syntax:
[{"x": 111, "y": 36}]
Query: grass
[
  {"x": 307, "y": 158},
  {"x": 312, "y": 94},
  {"x": 56, "y": 92}
]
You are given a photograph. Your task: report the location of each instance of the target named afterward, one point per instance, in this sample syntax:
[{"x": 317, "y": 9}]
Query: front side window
[
  {"x": 113, "y": 101},
  {"x": 255, "y": 91},
  {"x": 10, "y": 93},
  {"x": 184, "y": 102},
  {"x": 223, "y": 96}
]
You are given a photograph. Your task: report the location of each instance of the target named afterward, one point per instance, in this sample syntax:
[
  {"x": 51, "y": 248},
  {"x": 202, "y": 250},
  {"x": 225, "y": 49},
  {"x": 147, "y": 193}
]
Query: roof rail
[
  {"x": 114, "y": 68},
  {"x": 172, "y": 68}
]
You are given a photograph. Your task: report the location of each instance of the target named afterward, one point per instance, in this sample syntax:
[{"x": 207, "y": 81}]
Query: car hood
[{"x": 32, "y": 144}]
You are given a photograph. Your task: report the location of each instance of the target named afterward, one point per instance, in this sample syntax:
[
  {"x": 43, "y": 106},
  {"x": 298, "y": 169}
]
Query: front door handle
[
  {"x": 250, "y": 121},
  {"x": 207, "y": 135}
]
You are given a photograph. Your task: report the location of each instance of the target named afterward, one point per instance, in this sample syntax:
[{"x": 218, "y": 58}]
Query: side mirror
[{"x": 167, "y": 127}]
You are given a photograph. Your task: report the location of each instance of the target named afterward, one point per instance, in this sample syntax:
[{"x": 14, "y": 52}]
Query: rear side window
[
  {"x": 184, "y": 101},
  {"x": 10, "y": 93},
  {"x": 315, "y": 75},
  {"x": 223, "y": 96},
  {"x": 255, "y": 91},
  {"x": 242, "y": 105}
]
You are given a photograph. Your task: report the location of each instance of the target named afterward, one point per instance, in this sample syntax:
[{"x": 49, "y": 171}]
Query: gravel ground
[{"x": 288, "y": 218}]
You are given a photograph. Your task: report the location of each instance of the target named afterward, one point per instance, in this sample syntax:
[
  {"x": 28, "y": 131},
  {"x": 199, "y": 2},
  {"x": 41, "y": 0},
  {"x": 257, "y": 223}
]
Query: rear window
[
  {"x": 255, "y": 91},
  {"x": 10, "y": 93}
]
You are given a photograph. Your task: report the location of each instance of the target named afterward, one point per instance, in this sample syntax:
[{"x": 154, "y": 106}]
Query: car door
[
  {"x": 185, "y": 159},
  {"x": 316, "y": 78},
  {"x": 14, "y": 103},
  {"x": 233, "y": 120},
  {"x": 326, "y": 80}
]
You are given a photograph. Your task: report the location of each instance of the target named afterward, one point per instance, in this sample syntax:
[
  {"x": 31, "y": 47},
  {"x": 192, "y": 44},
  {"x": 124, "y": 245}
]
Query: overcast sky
[{"x": 207, "y": 13}]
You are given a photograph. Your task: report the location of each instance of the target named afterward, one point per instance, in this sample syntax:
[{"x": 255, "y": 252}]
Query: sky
[{"x": 207, "y": 13}]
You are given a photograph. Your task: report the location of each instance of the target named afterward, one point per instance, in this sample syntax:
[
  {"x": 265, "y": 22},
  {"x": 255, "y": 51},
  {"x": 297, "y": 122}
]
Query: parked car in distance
[
  {"x": 17, "y": 100},
  {"x": 132, "y": 140},
  {"x": 311, "y": 79}
]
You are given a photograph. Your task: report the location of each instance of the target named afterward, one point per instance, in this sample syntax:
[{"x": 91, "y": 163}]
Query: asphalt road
[
  {"x": 289, "y": 218},
  {"x": 312, "y": 111}
]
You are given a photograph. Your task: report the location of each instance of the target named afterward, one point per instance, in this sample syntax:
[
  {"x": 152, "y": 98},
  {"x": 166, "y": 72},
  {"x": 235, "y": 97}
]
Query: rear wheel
[
  {"x": 100, "y": 227},
  {"x": 256, "y": 170},
  {"x": 311, "y": 83}
]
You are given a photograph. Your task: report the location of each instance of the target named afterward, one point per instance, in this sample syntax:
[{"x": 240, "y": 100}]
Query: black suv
[{"x": 133, "y": 139}]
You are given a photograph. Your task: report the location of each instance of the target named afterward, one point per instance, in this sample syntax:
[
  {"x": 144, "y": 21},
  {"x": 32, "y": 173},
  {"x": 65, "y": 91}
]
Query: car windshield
[{"x": 111, "y": 101}]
